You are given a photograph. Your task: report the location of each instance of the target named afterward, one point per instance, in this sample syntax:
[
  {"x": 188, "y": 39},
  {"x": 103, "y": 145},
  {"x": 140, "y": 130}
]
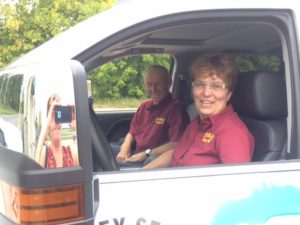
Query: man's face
[{"x": 157, "y": 86}]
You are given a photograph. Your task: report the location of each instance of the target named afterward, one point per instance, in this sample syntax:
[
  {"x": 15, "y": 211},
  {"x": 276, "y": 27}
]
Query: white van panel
[{"x": 207, "y": 198}]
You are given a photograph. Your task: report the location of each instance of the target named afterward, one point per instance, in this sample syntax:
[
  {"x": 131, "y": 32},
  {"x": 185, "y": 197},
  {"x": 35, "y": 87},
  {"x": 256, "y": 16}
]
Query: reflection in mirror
[
  {"x": 54, "y": 148},
  {"x": 38, "y": 116},
  {"x": 54, "y": 122}
]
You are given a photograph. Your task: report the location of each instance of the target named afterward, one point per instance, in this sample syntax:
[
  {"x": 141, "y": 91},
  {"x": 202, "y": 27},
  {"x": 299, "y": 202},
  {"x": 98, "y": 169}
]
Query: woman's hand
[{"x": 51, "y": 124}]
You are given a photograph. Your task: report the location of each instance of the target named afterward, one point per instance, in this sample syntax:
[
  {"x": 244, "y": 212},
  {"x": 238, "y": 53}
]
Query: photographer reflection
[{"x": 50, "y": 151}]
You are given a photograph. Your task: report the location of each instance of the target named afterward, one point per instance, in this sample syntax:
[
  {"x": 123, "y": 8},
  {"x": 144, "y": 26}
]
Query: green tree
[
  {"x": 251, "y": 62},
  {"x": 29, "y": 23},
  {"x": 124, "y": 77}
]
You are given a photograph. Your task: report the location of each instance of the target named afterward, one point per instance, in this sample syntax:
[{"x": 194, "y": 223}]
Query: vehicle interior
[{"x": 260, "y": 97}]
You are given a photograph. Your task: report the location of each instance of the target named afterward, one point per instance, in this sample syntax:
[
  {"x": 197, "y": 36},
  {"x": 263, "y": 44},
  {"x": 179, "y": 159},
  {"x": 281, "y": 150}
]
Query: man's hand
[
  {"x": 125, "y": 152},
  {"x": 139, "y": 157},
  {"x": 123, "y": 155}
]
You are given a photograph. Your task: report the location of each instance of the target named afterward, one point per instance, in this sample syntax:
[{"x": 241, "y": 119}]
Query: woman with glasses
[
  {"x": 51, "y": 153},
  {"x": 217, "y": 134}
]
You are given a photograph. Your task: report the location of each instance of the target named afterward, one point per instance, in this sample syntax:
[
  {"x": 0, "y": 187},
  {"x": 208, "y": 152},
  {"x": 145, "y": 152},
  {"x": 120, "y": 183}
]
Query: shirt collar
[
  {"x": 207, "y": 123},
  {"x": 163, "y": 102}
]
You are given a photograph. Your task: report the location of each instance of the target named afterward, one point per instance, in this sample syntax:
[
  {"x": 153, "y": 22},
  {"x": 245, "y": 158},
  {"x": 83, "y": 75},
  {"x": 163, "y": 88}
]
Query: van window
[
  {"x": 254, "y": 62},
  {"x": 119, "y": 84},
  {"x": 9, "y": 97},
  {"x": 10, "y": 88}
]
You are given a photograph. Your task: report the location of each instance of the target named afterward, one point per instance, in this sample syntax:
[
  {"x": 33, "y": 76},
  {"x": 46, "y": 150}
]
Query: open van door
[{"x": 34, "y": 188}]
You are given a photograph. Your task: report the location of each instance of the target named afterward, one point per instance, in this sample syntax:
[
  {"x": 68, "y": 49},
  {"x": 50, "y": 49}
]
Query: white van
[{"x": 262, "y": 37}]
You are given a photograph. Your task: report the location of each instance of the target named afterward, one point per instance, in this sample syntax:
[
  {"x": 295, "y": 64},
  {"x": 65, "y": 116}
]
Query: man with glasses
[{"x": 216, "y": 135}]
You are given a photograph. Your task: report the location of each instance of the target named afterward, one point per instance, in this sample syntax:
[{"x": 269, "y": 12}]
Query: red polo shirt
[
  {"x": 222, "y": 138},
  {"x": 154, "y": 125}
]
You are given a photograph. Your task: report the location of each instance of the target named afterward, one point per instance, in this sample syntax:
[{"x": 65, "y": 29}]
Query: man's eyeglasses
[{"x": 215, "y": 86}]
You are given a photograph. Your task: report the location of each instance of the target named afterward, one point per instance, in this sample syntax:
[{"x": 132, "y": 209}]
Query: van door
[
  {"x": 44, "y": 108},
  {"x": 229, "y": 194},
  {"x": 254, "y": 193}
]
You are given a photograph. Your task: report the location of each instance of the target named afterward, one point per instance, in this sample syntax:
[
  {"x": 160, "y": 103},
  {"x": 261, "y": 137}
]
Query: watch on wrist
[{"x": 148, "y": 152}]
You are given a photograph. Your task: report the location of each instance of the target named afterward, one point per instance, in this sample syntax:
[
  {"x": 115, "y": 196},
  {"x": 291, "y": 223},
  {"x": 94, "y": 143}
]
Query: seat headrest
[{"x": 261, "y": 95}]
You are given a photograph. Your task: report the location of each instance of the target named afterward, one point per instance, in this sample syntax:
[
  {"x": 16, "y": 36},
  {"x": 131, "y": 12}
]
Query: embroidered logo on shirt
[
  {"x": 159, "y": 120},
  {"x": 207, "y": 137}
]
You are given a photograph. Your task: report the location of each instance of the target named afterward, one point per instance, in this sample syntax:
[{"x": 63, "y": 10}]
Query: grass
[
  {"x": 6, "y": 111},
  {"x": 117, "y": 103},
  {"x": 98, "y": 103}
]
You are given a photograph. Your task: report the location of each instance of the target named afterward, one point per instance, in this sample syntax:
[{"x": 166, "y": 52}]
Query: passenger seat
[
  {"x": 261, "y": 101},
  {"x": 192, "y": 111}
]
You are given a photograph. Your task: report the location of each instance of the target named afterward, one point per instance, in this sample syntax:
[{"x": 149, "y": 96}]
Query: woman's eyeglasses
[{"x": 215, "y": 86}]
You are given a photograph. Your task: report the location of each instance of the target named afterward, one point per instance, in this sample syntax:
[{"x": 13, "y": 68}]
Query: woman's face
[
  {"x": 210, "y": 95},
  {"x": 55, "y": 133},
  {"x": 55, "y": 128}
]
